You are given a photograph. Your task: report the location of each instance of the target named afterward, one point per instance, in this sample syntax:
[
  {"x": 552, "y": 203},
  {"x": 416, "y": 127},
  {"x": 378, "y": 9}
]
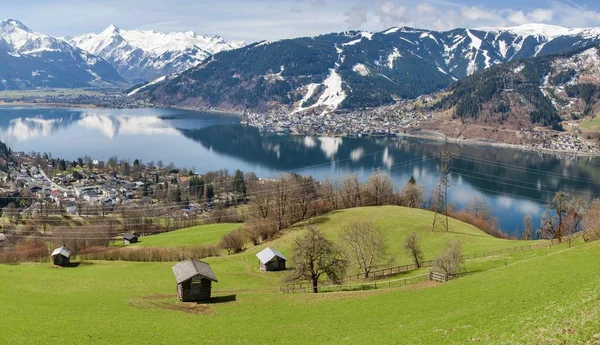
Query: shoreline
[{"x": 432, "y": 136}]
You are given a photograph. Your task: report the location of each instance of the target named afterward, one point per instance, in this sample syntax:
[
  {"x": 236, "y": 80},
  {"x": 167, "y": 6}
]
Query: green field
[
  {"x": 590, "y": 124},
  {"x": 547, "y": 296},
  {"x": 48, "y": 92},
  {"x": 202, "y": 234}
]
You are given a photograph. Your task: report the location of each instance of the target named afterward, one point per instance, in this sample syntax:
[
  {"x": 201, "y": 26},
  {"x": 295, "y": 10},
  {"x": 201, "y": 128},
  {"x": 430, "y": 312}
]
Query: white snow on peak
[
  {"x": 21, "y": 40},
  {"x": 144, "y": 54},
  {"x": 536, "y": 29},
  {"x": 391, "y": 30},
  {"x": 475, "y": 41}
]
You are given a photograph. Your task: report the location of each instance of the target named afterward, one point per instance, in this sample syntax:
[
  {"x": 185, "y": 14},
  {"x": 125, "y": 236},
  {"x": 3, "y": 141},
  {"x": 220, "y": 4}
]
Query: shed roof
[
  {"x": 188, "y": 269},
  {"x": 129, "y": 236},
  {"x": 268, "y": 254},
  {"x": 2, "y": 237},
  {"x": 64, "y": 251}
]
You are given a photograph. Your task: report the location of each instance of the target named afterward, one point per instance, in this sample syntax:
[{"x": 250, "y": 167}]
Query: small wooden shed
[
  {"x": 130, "y": 238},
  {"x": 271, "y": 260},
  {"x": 194, "y": 279},
  {"x": 61, "y": 256}
]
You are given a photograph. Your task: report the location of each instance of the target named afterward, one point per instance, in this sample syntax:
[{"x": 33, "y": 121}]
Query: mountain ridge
[
  {"x": 143, "y": 55},
  {"x": 355, "y": 69},
  {"x": 29, "y": 59}
]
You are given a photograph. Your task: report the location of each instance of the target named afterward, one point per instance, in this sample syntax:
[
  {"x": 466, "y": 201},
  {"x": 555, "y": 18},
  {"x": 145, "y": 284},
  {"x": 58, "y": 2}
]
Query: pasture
[{"x": 540, "y": 296}]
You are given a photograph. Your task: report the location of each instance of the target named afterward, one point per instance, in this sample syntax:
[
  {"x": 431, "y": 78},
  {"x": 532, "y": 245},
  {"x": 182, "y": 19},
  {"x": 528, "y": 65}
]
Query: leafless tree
[
  {"x": 591, "y": 222},
  {"x": 413, "y": 247},
  {"x": 379, "y": 189},
  {"x": 527, "y": 227},
  {"x": 412, "y": 195},
  {"x": 563, "y": 216},
  {"x": 366, "y": 243},
  {"x": 314, "y": 257},
  {"x": 331, "y": 192},
  {"x": 451, "y": 261},
  {"x": 233, "y": 242},
  {"x": 303, "y": 192},
  {"x": 351, "y": 192},
  {"x": 479, "y": 209}
]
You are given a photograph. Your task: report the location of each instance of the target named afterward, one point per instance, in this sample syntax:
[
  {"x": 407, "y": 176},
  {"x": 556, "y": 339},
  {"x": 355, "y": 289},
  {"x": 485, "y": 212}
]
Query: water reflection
[{"x": 513, "y": 182}]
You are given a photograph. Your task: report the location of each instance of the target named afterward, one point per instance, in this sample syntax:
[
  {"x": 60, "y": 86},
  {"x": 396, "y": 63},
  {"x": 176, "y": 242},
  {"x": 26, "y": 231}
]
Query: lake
[{"x": 513, "y": 182}]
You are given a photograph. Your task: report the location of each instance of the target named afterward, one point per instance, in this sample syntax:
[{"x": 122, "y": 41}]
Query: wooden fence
[
  {"x": 361, "y": 286},
  {"x": 390, "y": 271}
]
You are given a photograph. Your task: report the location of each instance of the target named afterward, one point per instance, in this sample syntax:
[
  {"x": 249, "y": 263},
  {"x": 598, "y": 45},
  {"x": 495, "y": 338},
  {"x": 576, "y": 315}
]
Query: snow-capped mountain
[
  {"x": 146, "y": 55},
  {"x": 357, "y": 69},
  {"x": 30, "y": 59}
]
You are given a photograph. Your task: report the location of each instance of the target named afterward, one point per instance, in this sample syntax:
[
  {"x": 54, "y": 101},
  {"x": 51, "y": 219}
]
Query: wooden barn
[
  {"x": 130, "y": 238},
  {"x": 194, "y": 279},
  {"x": 61, "y": 256},
  {"x": 271, "y": 260}
]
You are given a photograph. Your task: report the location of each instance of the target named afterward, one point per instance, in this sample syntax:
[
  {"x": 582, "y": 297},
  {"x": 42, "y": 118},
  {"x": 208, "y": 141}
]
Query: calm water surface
[{"x": 513, "y": 182}]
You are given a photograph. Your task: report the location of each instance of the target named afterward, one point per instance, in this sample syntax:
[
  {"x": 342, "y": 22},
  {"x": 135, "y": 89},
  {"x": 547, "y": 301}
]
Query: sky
[{"x": 255, "y": 20}]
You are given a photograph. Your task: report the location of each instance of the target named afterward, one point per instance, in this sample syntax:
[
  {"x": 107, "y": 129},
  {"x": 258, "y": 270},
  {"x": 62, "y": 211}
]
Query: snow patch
[
  {"x": 156, "y": 81},
  {"x": 361, "y": 69},
  {"x": 392, "y": 57},
  {"x": 391, "y": 31}
]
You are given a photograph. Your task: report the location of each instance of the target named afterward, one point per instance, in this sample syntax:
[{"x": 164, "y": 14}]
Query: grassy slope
[
  {"x": 202, "y": 234},
  {"x": 550, "y": 298},
  {"x": 591, "y": 125}
]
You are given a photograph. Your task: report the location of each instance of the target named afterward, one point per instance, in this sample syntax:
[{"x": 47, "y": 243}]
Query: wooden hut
[
  {"x": 194, "y": 279},
  {"x": 130, "y": 238},
  {"x": 61, "y": 256},
  {"x": 271, "y": 260}
]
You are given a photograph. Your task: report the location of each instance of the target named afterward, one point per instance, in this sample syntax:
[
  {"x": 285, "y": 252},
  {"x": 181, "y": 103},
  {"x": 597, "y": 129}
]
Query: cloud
[{"x": 445, "y": 15}]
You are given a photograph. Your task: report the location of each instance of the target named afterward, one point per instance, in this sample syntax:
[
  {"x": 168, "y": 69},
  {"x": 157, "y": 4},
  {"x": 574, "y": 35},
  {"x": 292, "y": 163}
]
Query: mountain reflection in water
[{"x": 513, "y": 182}]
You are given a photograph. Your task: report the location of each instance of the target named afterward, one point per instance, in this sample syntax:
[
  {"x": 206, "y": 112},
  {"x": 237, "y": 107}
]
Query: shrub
[
  {"x": 233, "y": 242},
  {"x": 451, "y": 260}
]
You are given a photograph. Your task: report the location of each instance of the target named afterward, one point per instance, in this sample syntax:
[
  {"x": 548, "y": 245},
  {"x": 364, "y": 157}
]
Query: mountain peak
[
  {"x": 14, "y": 24},
  {"x": 111, "y": 29}
]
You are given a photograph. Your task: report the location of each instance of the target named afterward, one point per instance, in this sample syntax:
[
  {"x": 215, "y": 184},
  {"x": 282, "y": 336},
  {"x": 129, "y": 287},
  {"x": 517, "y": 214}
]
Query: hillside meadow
[{"x": 547, "y": 295}]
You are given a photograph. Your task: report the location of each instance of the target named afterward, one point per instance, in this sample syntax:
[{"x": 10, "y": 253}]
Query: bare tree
[
  {"x": 527, "y": 227},
  {"x": 379, "y": 189},
  {"x": 233, "y": 242},
  {"x": 351, "y": 192},
  {"x": 478, "y": 209},
  {"x": 303, "y": 192},
  {"x": 412, "y": 194},
  {"x": 451, "y": 261},
  {"x": 366, "y": 243},
  {"x": 314, "y": 256},
  {"x": 591, "y": 222},
  {"x": 413, "y": 247},
  {"x": 563, "y": 216},
  {"x": 331, "y": 191}
]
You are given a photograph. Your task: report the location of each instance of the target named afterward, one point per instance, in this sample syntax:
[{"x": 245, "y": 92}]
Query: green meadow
[{"x": 543, "y": 296}]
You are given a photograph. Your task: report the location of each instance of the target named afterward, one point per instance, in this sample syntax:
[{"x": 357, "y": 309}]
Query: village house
[
  {"x": 271, "y": 260},
  {"x": 194, "y": 280},
  {"x": 61, "y": 256}
]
